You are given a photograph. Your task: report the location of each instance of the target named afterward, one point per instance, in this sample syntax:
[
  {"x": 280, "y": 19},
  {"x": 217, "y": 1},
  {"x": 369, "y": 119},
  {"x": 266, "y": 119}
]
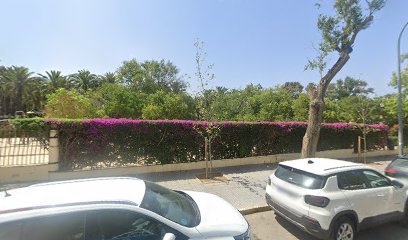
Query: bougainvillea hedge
[{"x": 119, "y": 142}]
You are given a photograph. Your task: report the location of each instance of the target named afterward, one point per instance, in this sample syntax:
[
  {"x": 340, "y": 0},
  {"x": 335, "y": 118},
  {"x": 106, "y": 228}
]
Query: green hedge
[{"x": 119, "y": 142}]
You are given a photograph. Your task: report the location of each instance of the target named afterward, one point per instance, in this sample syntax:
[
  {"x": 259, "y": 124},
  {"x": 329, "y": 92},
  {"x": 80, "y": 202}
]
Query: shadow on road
[
  {"x": 292, "y": 229},
  {"x": 390, "y": 231}
]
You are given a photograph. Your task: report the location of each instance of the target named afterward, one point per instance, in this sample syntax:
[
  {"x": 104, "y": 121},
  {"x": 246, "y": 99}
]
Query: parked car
[
  {"x": 333, "y": 199},
  {"x": 116, "y": 209},
  {"x": 398, "y": 168}
]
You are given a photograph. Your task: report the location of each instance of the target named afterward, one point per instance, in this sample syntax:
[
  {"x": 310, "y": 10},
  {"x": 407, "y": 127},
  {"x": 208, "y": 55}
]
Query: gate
[{"x": 22, "y": 148}]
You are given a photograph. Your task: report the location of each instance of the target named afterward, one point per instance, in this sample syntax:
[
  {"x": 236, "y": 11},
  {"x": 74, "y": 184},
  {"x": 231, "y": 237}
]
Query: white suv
[
  {"x": 333, "y": 199},
  {"x": 116, "y": 209}
]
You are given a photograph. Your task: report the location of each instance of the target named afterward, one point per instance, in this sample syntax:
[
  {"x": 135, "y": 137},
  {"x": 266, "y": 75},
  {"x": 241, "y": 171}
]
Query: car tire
[{"x": 344, "y": 229}]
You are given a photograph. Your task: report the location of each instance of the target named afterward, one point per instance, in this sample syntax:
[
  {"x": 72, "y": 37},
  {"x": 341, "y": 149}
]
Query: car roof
[
  {"x": 322, "y": 166},
  {"x": 70, "y": 193}
]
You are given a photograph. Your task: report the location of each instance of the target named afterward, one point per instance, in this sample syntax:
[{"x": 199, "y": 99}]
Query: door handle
[{"x": 380, "y": 195}]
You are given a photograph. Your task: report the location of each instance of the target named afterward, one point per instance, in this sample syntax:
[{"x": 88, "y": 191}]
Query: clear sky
[{"x": 263, "y": 42}]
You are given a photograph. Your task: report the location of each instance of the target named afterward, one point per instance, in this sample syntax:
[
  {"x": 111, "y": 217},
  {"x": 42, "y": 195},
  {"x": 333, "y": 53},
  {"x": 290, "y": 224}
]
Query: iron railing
[{"x": 22, "y": 148}]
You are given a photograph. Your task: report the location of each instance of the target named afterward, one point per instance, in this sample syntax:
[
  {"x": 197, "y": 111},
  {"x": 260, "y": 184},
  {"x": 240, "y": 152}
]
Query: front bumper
[{"x": 304, "y": 222}]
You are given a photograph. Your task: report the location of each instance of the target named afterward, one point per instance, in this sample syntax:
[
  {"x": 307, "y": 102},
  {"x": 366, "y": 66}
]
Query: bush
[
  {"x": 121, "y": 142},
  {"x": 70, "y": 104}
]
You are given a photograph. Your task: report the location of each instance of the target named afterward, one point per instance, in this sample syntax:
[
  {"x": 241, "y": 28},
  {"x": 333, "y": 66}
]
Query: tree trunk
[
  {"x": 316, "y": 95},
  {"x": 311, "y": 138}
]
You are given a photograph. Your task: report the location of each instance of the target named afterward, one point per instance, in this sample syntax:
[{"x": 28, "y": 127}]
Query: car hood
[{"x": 218, "y": 217}]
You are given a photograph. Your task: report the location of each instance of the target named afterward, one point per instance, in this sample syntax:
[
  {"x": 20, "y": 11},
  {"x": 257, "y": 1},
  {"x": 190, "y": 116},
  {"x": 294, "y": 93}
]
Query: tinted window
[
  {"x": 58, "y": 227},
  {"x": 352, "y": 180},
  {"x": 10, "y": 231},
  {"x": 176, "y": 206},
  {"x": 298, "y": 177},
  {"x": 124, "y": 225},
  {"x": 375, "y": 179}
]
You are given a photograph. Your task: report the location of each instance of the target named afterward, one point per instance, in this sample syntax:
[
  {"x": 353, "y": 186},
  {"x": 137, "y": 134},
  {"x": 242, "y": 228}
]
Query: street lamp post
[{"x": 400, "y": 120}]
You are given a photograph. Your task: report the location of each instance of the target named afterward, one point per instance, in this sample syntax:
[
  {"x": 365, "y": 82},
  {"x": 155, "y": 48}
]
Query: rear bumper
[{"x": 304, "y": 222}]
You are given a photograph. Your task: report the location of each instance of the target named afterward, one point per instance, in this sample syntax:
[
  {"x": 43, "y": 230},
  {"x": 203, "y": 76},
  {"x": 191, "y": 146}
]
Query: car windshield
[
  {"x": 402, "y": 163},
  {"x": 176, "y": 206},
  {"x": 299, "y": 178}
]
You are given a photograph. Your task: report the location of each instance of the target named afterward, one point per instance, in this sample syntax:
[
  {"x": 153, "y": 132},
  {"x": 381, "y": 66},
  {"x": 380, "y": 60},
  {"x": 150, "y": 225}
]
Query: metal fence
[{"x": 19, "y": 148}]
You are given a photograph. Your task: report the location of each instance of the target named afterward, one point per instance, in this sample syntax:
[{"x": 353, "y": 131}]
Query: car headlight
[{"x": 245, "y": 236}]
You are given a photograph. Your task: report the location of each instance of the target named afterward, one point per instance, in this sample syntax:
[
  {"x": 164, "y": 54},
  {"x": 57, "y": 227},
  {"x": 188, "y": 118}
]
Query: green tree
[
  {"x": 204, "y": 97},
  {"x": 388, "y": 113},
  {"x": 151, "y": 76},
  {"x": 349, "y": 87},
  {"x": 108, "y": 77},
  {"x": 162, "y": 105},
  {"x": 119, "y": 102},
  {"x": 404, "y": 81},
  {"x": 338, "y": 33},
  {"x": 276, "y": 105},
  {"x": 22, "y": 91},
  {"x": 84, "y": 80},
  {"x": 69, "y": 104},
  {"x": 357, "y": 109},
  {"x": 300, "y": 107},
  {"x": 294, "y": 88},
  {"x": 55, "y": 80}
]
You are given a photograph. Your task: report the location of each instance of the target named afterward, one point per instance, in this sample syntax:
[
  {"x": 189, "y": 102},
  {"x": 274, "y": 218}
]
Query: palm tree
[
  {"x": 84, "y": 80},
  {"x": 55, "y": 80},
  {"x": 3, "y": 92},
  {"x": 108, "y": 77},
  {"x": 22, "y": 91}
]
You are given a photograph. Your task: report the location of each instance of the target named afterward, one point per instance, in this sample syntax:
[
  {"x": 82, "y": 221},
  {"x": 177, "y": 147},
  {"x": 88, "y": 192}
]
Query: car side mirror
[
  {"x": 169, "y": 236},
  {"x": 397, "y": 184}
]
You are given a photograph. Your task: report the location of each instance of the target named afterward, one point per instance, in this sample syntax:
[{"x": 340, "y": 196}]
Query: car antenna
[{"x": 310, "y": 161}]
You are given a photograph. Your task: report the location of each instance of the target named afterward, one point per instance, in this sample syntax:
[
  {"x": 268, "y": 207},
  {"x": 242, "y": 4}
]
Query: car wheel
[{"x": 343, "y": 229}]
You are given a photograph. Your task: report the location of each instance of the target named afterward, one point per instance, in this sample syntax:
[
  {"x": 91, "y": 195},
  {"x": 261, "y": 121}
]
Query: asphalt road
[{"x": 267, "y": 226}]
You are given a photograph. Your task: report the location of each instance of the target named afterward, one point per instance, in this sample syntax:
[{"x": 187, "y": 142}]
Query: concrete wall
[{"x": 50, "y": 173}]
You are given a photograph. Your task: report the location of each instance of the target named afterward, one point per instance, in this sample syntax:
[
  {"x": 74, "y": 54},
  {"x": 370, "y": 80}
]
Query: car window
[
  {"x": 176, "y": 206},
  {"x": 352, "y": 180},
  {"x": 298, "y": 177},
  {"x": 69, "y": 226},
  {"x": 403, "y": 163},
  {"x": 125, "y": 225},
  {"x": 11, "y": 231},
  {"x": 375, "y": 179}
]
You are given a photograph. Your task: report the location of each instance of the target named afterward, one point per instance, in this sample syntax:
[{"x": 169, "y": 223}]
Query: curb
[{"x": 249, "y": 211}]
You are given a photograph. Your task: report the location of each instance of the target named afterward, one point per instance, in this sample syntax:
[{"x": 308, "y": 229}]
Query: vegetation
[
  {"x": 58, "y": 96},
  {"x": 100, "y": 143},
  {"x": 339, "y": 33}
]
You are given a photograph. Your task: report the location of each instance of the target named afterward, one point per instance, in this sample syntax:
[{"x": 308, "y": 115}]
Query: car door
[
  {"x": 126, "y": 225},
  {"x": 67, "y": 226},
  {"x": 392, "y": 197},
  {"x": 363, "y": 199}
]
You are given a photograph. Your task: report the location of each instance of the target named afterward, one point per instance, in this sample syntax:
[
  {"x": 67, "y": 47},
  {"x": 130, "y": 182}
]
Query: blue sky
[{"x": 263, "y": 42}]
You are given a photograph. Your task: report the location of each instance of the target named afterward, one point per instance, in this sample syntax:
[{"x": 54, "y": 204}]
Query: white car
[
  {"x": 116, "y": 209},
  {"x": 333, "y": 199}
]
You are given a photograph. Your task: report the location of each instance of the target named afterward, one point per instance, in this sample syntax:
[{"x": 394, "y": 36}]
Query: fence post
[{"x": 53, "y": 150}]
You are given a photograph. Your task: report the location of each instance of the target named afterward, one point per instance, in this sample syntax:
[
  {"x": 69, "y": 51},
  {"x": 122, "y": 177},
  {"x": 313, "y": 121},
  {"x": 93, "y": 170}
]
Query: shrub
[
  {"x": 120, "y": 142},
  {"x": 69, "y": 104}
]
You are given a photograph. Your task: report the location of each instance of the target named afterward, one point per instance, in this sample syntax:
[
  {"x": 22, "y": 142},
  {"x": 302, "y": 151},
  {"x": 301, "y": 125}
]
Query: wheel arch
[{"x": 352, "y": 215}]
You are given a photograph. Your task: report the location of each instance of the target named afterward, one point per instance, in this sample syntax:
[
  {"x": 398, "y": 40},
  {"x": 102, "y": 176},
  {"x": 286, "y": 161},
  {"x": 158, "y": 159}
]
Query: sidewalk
[{"x": 245, "y": 188}]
